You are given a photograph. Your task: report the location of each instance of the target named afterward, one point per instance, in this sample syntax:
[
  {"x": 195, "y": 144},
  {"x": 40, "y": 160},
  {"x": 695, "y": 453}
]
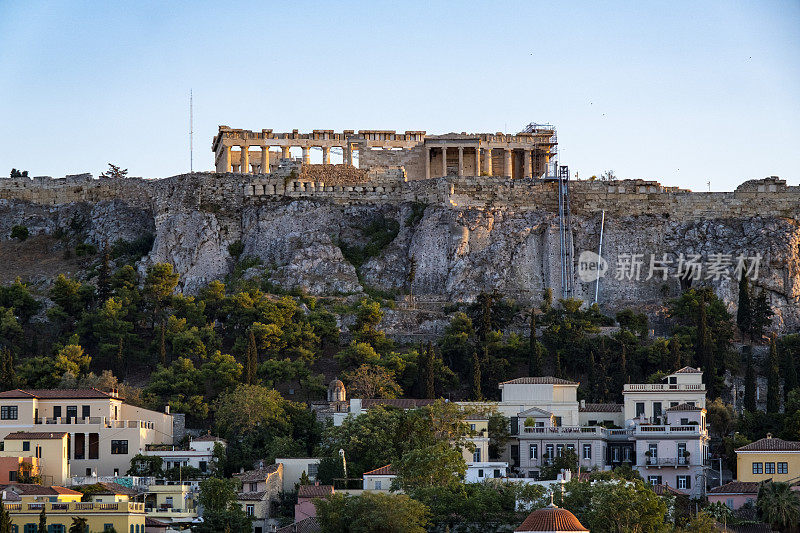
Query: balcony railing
[
  {"x": 72, "y": 507},
  {"x": 102, "y": 421},
  {"x": 667, "y": 461},
  {"x": 647, "y": 387},
  {"x": 668, "y": 429}
]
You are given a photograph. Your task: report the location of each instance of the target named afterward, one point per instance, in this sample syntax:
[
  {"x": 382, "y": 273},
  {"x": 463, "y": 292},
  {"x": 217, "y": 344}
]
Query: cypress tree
[
  {"x": 430, "y": 390},
  {"x": 773, "y": 377},
  {"x": 623, "y": 367},
  {"x": 8, "y": 377},
  {"x": 592, "y": 376},
  {"x": 43, "y": 521},
  {"x": 163, "y": 347},
  {"x": 251, "y": 367},
  {"x": 790, "y": 381},
  {"x": 557, "y": 364},
  {"x": 749, "y": 381},
  {"x": 704, "y": 354},
  {"x": 675, "y": 350},
  {"x": 476, "y": 377},
  {"x": 535, "y": 353},
  {"x": 744, "y": 313},
  {"x": 119, "y": 361},
  {"x": 104, "y": 275},
  {"x": 5, "y": 517},
  {"x": 762, "y": 315}
]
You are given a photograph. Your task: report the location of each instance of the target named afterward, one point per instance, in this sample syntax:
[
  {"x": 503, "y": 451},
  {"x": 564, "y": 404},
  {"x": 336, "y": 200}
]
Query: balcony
[
  {"x": 661, "y": 387},
  {"x": 101, "y": 421},
  {"x": 577, "y": 432},
  {"x": 682, "y": 430},
  {"x": 75, "y": 507},
  {"x": 659, "y": 462}
]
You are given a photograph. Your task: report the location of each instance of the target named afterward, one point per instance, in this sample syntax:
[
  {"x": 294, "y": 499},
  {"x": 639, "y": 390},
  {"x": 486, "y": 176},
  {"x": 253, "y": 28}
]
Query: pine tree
[
  {"x": 773, "y": 377},
  {"x": 744, "y": 312},
  {"x": 557, "y": 364},
  {"x": 476, "y": 378},
  {"x": 535, "y": 353},
  {"x": 749, "y": 381},
  {"x": 43, "y": 521},
  {"x": 623, "y": 367},
  {"x": 104, "y": 275},
  {"x": 790, "y": 381},
  {"x": 163, "y": 346},
  {"x": 547, "y": 300},
  {"x": 251, "y": 367}
]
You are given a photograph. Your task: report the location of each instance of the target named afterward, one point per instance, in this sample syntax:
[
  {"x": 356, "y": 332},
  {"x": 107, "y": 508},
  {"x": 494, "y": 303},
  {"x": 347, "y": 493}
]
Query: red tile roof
[
  {"x": 382, "y": 471},
  {"x": 314, "y": 491},
  {"x": 737, "y": 487},
  {"x": 661, "y": 490},
  {"x": 29, "y": 489},
  {"x": 33, "y": 435},
  {"x": 552, "y": 519},
  {"x": 50, "y": 394},
  {"x": 260, "y": 474},
  {"x": 771, "y": 445},
  {"x": 307, "y": 525},
  {"x": 601, "y": 408},
  {"x": 544, "y": 380},
  {"x": 251, "y": 496}
]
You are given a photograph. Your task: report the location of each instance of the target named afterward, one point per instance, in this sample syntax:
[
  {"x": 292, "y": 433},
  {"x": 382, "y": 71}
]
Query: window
[
  {"x": 592, "y": 422},
  {"x": 480, "y": 472},
  {"x": 690, "y": 403},
  {"x": 2, "y": 446},
  {"x": 496, "y": 473},
  {"x": 571, "y": 447},
  {"x": 549, "y": 450},
  {"x": 615, "y": 455},
  {"x": 250, "y": 509},
  {"x": 673, "y": 380},
  {"x": 681, "y": 452},
  {"x": 85, "y": 411},
  {"x": 559, "y": 450},
  {"x": 476, "y": 455},
  {"x": 313, "y": 468},
  {"x": 472, "y": 427},
  {"x": 684, "y": 421},
  {"x": 203, "y": 466},
  {"x": 253, "y": 487},
  {"x": 758, "y": 468},
  {"x": 557, "y": 421},
  {"x": 534, "y": 451},
  {"x": 684, "y": 482},
  {"x": 30, "y": 528},
  {"x": 654, "y": 480},
  {"x": 769, "y": 468},
  {"x": 9, "y": 412},
  {"x": 639, "y": 409},
  {"x": 108, "y": 527},
  {"x": 587, "y": 451},
  {"x": 26, "y": 446},
  {"x": 39, "y": 452},
  {"x": 653, "y": 449},
  {"x": 673, "y": 404},
  {"x": 783, "y": 468},
  {"x": 656, "y": 408},
  {"x": 116, "y": 472},
  {"x": 57, "y": 411},
  {"x": 72, "y": 413},
  {"x": 729, "y": 503},
  {"x": 627, "y": 455},
  {"x": 88, "y": 472},
  {"x": 119, "y": 447},
  {"x": 378, "y": 485},
  {"x": 12, "y": 475}
]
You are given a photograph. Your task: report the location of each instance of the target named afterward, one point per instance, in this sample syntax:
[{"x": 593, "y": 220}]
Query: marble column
[
  {"x": 348, "y": 154},
  {"x": 265, "y": 159},
  {"x": 528, "y": 166},
  {"x": 460, "y": 161},
  {"x": 507, "y": 168},
  {"x": 226, "y": 159},
  {"x": 477, "y": 161},
  {"x": 427, "y": 162},
  {"x": 306, "y": 155},
  {"x": 326, "y": 155},
  {"x": 285, "y": 152},
  {"x": 444, "y": 161},
  {"x": 244, "y": 161},
  {"x": 488, "y": 161}
]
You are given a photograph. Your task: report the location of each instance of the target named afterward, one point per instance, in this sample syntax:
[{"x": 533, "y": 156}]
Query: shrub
[
  {"x": 236, "y": 248},
  {"x": 19, "y": 232},
  {"x": 85, "y": 248}
]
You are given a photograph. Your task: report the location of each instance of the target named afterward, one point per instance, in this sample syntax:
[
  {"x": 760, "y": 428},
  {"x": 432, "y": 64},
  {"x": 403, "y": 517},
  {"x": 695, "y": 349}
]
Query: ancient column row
[
  {"x": 244, "y": 158},
  {"x": 487, "y": 161}
]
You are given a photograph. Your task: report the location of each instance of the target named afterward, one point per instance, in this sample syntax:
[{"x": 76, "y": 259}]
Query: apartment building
[
  {"x": 199, "y": 453},
  {"x": 768, "y": 459},
  {"x": 259, "y": 488},
  {"x": 43, "y": 454},
  {"x": 104, "y": 432},
  {"x": 479, "y": 467}
]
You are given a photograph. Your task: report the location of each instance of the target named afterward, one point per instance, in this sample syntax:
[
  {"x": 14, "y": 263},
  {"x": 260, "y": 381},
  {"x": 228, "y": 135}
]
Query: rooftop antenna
[
  {"x": 709, "y": 185},
  {"x": 191, "y": 133}
]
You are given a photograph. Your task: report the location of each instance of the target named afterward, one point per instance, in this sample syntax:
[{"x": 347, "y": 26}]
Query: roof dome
[
  {"x": 336, "y": 384},
  {"x": 551, "y": 519}
]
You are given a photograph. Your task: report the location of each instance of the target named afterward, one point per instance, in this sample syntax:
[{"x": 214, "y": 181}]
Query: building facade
[
  {"x": 46, "y": 452},
  {"x": 768, "y": 459},
  {"x": 104, "y": 432}
]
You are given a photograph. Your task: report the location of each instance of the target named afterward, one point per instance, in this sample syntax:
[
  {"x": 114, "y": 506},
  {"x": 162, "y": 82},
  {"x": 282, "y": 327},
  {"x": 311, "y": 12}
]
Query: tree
[
  {"x": 773, "y": 378},
  {"x": 567, "y": 460},
  {"x": 762, "y": 315},
  {"x": 104, "y": 274},
  {"x": 114, "y": 172},
  {"x": 535, "y": 362},
  {"x": 72, "y": 359},
  {"x": 221, "y": 511},
  {"x": 749, "y": 381},
  {"x": 778, "y": 504},
  {"x": 5, "y": 517},
  {"x": 146, "y": 466},
  {"x": 720, "y": 418},
  {"x": 412, "y": 275},
  {"x": 371, "y": 512},
  {"x": 251, "y": 366},
  {"x": 8, "y": 376},
  {"x": 476, "y": 378},
  {"x": 744, "y": 311},
  {"x": 499, "y": 434},
  {"x": 247, "y": 407},
  {"x": 370, "y": 381},
  {"x": 79, "y": 525},
  {"x": 159, "y": 284},
  {"x": 19, "y": 232},
  {"x": 426, "y": 372},
  {"x": 43, "y": 520},
  {"x": 440, "y": 464},
  {"x": 19, "y": 173},
  {"x": 616, "y": 506}
]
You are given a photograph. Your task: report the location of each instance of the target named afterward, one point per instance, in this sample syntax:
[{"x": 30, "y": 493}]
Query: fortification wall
[{"x": 225, "y": 193}]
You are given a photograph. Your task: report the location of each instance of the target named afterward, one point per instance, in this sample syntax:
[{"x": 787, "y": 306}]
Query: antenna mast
[{"x": 191, "y": 133}]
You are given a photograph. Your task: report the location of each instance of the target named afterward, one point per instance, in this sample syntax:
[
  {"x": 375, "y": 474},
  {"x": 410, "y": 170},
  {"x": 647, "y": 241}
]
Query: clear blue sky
[{"x": 682, "y": 92}]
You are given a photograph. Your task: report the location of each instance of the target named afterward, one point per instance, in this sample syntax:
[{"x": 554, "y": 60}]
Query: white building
[{"x": 198, "y": 454}]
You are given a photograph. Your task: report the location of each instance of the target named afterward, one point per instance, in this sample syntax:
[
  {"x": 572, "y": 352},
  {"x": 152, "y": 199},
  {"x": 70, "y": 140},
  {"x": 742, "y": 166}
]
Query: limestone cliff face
[{"x": 460, "y": 246}]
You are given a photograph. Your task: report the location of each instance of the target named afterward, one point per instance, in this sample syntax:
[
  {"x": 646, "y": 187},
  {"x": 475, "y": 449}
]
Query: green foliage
[
  {"x": 236, "y": 248},
  {"x": 437, "y": 465},
  {"x": 19, "y": 232},
  {"x": 371, "y": 512},
  {"x": 415, "y": 214},
  {"x": 773, "y": 378},
  {"x": 221, "y": 509},
  {"x": 85, "y": 248},
  {"x": 371, "y": 381},
  {"x": 567, "y": 460},
  {"x": 79, "y": 525},
  {"x": 377, "y": 235},
  {"x": 133, "y": 249},
  {"x": 146, "y": 465},
  {"x": 778, "y": 504}
]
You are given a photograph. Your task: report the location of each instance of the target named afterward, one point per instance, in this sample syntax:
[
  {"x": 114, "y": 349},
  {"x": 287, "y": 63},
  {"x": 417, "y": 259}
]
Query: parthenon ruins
[{"x": 526, "y": 154}]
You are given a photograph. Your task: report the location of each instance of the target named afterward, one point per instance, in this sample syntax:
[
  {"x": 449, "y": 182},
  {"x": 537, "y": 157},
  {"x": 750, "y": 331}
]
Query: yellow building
[
  {"x": 48, "y": 452},
  {"x": 172, "y": 503},
  {"x": 122, "y": 516},
  {"x": 775, "y": 459}
]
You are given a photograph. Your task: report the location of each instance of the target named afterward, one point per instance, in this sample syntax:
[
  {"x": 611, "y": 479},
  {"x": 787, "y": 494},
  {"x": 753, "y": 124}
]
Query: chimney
[
  {"x": 583, "y": 404},
  {"x": 241, "y": 470},
  {"x": 166, "y": 409},
  {"x": 769, "y": 435}
]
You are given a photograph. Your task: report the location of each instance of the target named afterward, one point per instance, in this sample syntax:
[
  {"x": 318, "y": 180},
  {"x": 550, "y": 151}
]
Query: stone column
[
  {"x": 444, "y": 161},
  {"x": 306, "y": 155},
  {"x": 507, "y": 169},
  {"x": 226, "y": 159},
  {"x": 427, "y": 162},
  {"x": 265, "y": 159},
  {"x": 244, "y": 161},
  {"x": 326, "y": 155},
  {"x": 348, "y": 154},
  {"x": 528, "y": 168},
  {"x": 285, "y": 152},
  {"x": 460, "y": 161},
  {"x": 477, "y": 161},
  {"x": 488, "y": 161}
]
